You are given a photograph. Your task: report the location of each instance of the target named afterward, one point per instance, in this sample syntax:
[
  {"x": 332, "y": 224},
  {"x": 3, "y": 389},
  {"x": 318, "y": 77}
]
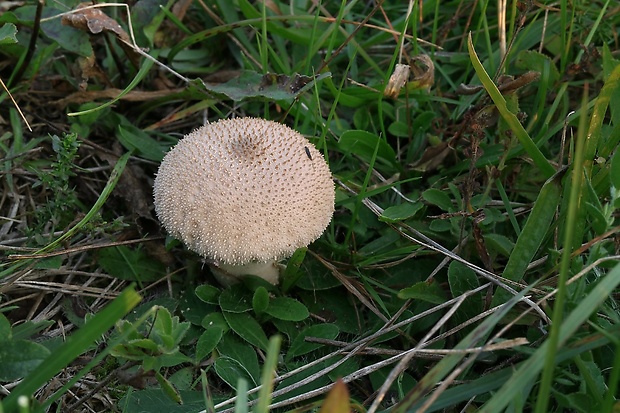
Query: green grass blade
[
  {"x": 510, "y": 118},
  {"x": 572, "y": 238},
  {"x": 269, "y": 369},
  {"x": 529, "y": 370},
  {"x": 593, "y": 137},
  {"x": 447, "y": 364},
  {"x": 144, "y": 69},
  {"x": 75, "y": 345}
]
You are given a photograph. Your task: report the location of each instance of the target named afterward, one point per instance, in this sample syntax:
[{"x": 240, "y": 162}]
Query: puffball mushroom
[{"x": 244, "y": 193}]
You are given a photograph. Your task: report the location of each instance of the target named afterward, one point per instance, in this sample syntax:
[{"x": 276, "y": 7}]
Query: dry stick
[
  {"x": 431, "y": 354},
  {"x": 351, "y": 377},
  {"x": 8, "y": 92},
  {"x": 404, "y": 362},
  {"x": 83, "y": 248},
  {"x": 464, "y": 365}
]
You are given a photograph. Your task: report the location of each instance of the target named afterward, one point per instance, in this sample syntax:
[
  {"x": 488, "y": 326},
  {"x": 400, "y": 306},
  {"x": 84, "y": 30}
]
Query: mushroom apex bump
[{"x": 244, "y": 190}]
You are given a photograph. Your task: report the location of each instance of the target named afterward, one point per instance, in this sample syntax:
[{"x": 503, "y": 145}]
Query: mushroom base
[{"x": 227, "y": 274}]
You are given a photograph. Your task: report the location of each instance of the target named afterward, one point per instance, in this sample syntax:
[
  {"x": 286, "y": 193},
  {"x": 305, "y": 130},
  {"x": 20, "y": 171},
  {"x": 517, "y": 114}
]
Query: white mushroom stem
[{"x": 227, "y": 274}]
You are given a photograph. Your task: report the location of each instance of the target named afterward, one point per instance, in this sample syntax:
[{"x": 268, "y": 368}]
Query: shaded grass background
[{"x": 492, "y": 174}]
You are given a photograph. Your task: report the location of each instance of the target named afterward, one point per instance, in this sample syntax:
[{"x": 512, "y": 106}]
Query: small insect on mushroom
[{"x": 308, "y": 152}]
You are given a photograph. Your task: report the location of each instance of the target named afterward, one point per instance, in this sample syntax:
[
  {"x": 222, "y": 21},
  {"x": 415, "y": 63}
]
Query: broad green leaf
[
  {"x": 231, "y": 346},
  {"x": 144, "y": 145},
  {"x": 287, "y": 309},
  {"x": 236, "y": 299},
  {"x": 254, "y": 85},
  {"x": 438, "y": 198},
  {"x": 207, "y": 341},
  {"x": 230, "y": 370},
  {"x": 293, "y": 272},
  {"x": 5, "y": 328},
  {"x": 168, "y": 388},
  {"x": 215, "y": 320},
  {"x": 68, "y": 38},
  {"x": 533, "y": 60},
  {"x": 247, "y": 328},
  {"x": 299, "y": 346},
  {"x": 424, "y": 291},
  {"x": 8, "y": 31},
  {"x": 499, "y": 243},
  {"x": 260, "y": 300},
  {"x": 400, "y": 212},
  {"x": 208, "y": 293},
  {"x": 20, "y": 357},
  {"x": 539, "y": 222},
  {"x": 130, "y": 264},
  {"x": 363, "y": 144},
  {"x": 463, "y": 279}
]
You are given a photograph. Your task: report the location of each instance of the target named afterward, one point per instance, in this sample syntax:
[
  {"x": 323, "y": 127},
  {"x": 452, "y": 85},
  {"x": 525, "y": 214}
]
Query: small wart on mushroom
[{"x": 240, "y": 193}]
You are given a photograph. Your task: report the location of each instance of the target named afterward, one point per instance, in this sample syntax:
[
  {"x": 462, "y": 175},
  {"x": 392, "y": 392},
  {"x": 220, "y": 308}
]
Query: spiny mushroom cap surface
[{"x": 244, "y": 190}]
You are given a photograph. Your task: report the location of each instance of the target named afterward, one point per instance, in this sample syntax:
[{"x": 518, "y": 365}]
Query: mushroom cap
[{"x": 244, "y": 190}]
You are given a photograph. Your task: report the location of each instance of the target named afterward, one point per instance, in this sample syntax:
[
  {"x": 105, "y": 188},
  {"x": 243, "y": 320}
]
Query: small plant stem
[
  {"x": 569, "y": 243},
  {"x": 19, "y": 72}
]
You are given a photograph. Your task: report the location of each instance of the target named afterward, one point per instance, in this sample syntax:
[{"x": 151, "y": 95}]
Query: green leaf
[
  {"x": 439, "y": 198},
  {"x": 288, "y": 309},
  {"x": 400, "y": 212},
  {"x": 5, "y": 329},
  {"x": 293, "y": 273},
  {"x": 511, "y": 119},
  {"x": 168, "y": 388},
  {"x": 8, "y": 31},
  {"x": 260, "y": 300},
  {"x": 231, "y": 346},
  {"x": 255, "y": 85},
  {"x": 539, "y": 222},
  {"x": 135, "y": 139},
  {"x": 208, "y": 293},
  {"x": 230, "y": 370},
  {"x": 424, "y": 291},
  {"x": 20, "y": 357},
  {"x": 130, "y": 264},
  {"x": 215, "y": 320},
  {"x": 207, "y": 341},
  {"x": 299, "y": 346},
  {"x": 247, "y": 328},
  {"x": 463, "y": 279},
  {"x": 533, "y": 60},
  {"x": 236, "y": 299},
  {"x": 363, "y": 144}
]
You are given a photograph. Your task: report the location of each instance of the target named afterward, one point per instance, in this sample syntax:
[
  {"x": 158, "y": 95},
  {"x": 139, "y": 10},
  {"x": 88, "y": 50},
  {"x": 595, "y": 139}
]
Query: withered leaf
[{"x": 95, "y": 21}]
